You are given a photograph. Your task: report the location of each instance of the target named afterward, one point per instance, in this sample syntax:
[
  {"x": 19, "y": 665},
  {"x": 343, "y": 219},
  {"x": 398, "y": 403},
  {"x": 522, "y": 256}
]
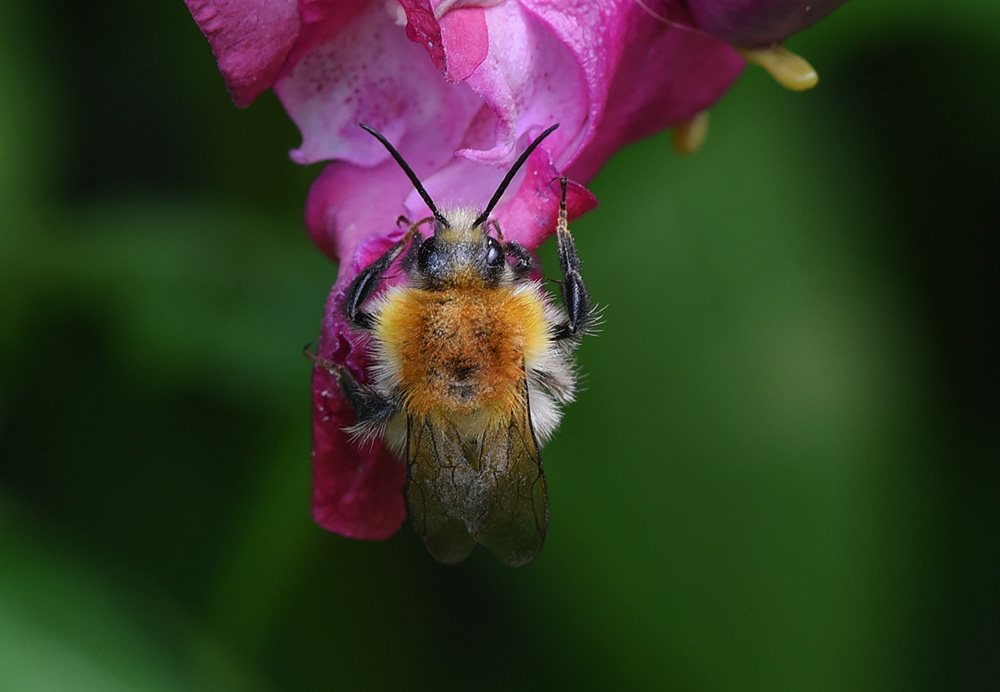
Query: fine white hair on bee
[{"x": 470, "y": 366}]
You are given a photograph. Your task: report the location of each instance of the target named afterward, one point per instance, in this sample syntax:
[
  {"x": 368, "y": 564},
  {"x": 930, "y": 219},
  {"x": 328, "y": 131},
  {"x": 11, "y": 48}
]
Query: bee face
[
  {"x": 461, "y": 255},
  {"x": 472, "y": 362}
]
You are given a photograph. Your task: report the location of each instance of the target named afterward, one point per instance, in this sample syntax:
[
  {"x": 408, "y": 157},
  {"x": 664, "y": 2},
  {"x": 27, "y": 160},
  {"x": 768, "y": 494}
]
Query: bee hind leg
[{"x": 574, "y": 292}]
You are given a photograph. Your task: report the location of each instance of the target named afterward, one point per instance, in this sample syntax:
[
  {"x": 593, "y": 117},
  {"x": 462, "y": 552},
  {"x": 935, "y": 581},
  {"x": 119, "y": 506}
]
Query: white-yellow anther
[
  {"x": 788, "y": 69},
  {"x": 688, "y": 136}
]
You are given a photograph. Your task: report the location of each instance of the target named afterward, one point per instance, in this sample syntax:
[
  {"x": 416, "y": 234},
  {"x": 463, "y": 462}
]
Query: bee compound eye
[
  {"x": 494, "y": 253},
  {"x": 427, "y": 255}
]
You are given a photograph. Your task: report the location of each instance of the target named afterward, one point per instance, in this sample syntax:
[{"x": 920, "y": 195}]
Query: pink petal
[
  {"x": 357, "y": 489},
  {"x": 254, "y": 41},
  {"x": 250, "y": 39},
  {"x": 530, "y": 217},
  {"x": 368, "y": 72},
  {"x": 347, "y": 203},
  {"x": 456, "y": 44},
  {"x": 357, "y": 492},
  {"x": 540, "y": 70},
  {"x": 466, "y": 41},
  {"x": 322, "y": 19},
  {"x": 530, "y": 81},
  {"x": 423, "y": 29}
]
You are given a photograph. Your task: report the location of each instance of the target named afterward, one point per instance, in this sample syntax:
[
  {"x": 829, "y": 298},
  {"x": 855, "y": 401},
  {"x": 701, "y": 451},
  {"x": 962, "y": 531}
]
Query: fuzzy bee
[{"x": 471, "y": 362}]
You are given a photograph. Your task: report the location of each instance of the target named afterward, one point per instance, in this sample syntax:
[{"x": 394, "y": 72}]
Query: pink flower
[{"x": 459, "y": 88}]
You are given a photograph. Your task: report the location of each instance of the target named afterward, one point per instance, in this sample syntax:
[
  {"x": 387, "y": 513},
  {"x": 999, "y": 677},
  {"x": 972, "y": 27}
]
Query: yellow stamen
[
  {"x": 788, "y": 69},
  {"x": 688, "y": 136}
]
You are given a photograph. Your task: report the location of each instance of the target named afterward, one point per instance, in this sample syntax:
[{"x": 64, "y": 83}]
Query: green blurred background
[{"x": 781, "y": 475}]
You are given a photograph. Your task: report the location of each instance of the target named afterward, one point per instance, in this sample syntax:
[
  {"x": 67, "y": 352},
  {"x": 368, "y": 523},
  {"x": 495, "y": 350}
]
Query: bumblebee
[{"x": 471, "y": 363}]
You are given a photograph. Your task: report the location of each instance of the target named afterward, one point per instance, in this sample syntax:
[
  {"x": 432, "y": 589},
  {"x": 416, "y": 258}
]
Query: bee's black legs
[
  {"x": 365, "y": 283},
  {"x": 574, "y": 291},
  {"x": 370, "y": 405},
  {"x": 525, "y": 262}
]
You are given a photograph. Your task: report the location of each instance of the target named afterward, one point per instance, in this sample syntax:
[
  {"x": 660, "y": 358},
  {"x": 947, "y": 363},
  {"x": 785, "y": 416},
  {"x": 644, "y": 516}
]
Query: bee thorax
[{"x": 460, "y": 350}]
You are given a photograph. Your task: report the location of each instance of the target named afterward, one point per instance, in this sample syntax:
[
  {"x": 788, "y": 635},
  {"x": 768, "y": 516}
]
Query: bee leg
[
  {"x": 496, "y": 228},
  {"x": 401, "y": 220},
  {"x": 574, "y": 291},
  {"x": 365, "y": 283},
  {"x": 409, "y": 260},
  {"x": 370, "y": 405},
  {"x": 524, "y": 261}
]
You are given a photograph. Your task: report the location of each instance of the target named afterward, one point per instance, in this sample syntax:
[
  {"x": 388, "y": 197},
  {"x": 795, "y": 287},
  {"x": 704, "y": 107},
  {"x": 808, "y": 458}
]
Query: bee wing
[
  {"x": 520, "y": 514},
  {"x": 434, "y": 458},
  {"x": 482, "y": 485}
]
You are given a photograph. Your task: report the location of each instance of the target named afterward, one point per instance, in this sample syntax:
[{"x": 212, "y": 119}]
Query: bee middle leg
[
  {"x": 574, "y": 291},
  {"x": 371, "y": 406}
]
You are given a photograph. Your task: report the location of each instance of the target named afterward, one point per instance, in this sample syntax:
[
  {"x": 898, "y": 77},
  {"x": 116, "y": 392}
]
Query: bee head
[{"x": 461, "y": 252}]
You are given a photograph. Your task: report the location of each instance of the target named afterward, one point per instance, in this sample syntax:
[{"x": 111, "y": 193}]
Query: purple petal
[{"x": 753, "y": 23}]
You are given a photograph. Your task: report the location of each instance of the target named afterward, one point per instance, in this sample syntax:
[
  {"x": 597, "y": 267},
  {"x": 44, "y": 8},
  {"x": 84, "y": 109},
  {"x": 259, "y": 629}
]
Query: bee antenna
[
  {"x": 438, "y": 216},
  {"x": 510, "y": 175}
]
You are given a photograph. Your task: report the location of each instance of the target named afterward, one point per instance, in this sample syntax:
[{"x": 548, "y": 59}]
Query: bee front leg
[
  {"x": 574, "y": 291},
  {"x": 365, "y": 283},
  {"x": 371, "y": 406},
  {"x": 524, "y": 262}
]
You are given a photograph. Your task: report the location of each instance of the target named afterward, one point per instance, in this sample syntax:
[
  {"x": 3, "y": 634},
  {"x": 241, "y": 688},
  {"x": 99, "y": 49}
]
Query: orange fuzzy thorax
[{"x": 461, "y": 350}]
